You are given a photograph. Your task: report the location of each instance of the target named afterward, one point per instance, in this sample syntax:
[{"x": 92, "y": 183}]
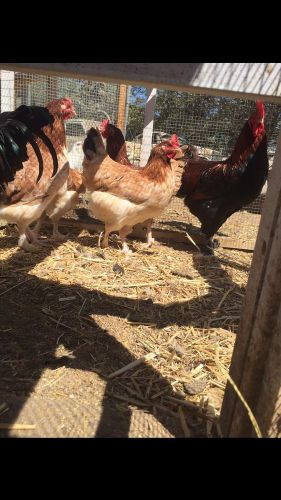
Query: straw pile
[{"x": 173, "y": 311}]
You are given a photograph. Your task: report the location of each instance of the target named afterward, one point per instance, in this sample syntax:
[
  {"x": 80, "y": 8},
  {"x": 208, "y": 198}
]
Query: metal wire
[
  {"x": 212, "y": 124},
  {"x": 93, "y": 102},
  {"x": 209, "y": 122}
]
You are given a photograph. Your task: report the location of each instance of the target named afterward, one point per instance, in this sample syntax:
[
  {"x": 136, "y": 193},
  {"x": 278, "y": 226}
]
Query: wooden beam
[
  {"x": 256, "y": 362},
  {"x": 241, "y": 80},
  {"x": 139, "y": 232},
  {"x": 148, "y": 126},
  {"x": 122, "y": 107}
]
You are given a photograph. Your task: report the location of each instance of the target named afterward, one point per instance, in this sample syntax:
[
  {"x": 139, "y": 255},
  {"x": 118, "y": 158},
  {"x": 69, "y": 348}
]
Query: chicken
[
  {"x": 115, "y": 142},
  {"x": 17, "y": 128},
  {"x": 116, "y": 149},
  {"x": 61, "y": 205},
  {"x": 214, "y": 190},
  {"x": 25, "y": 200},
  {"x": 64, "y": 202},
  {"x": 122, "y": 195}
]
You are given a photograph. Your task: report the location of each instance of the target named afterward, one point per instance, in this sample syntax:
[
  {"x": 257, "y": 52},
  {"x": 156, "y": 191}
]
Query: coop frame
[
  {"x": 212, "y": 121},
  {"x": 255, "y": 366}
]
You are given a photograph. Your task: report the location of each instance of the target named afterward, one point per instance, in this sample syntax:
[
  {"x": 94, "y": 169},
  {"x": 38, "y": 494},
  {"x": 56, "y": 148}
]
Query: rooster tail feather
[
  {"x": 34, "y": 117},
  {"x": 27, "y": 136},
  {"x": 13, "y": 147},
  {"x": 5, "y": 169},
  {"x": 50, "y": 146},
  {"x": 30, "y": 138}
]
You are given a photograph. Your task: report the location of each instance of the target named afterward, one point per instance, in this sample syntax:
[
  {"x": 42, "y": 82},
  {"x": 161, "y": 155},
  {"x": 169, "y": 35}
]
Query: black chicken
[
  {"x": 17, "y": 128},
  {"x": 214, "y": 190}
]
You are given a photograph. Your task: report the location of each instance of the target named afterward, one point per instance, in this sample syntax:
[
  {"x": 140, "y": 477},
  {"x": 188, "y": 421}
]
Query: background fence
[{"x": 209, "y": 122}]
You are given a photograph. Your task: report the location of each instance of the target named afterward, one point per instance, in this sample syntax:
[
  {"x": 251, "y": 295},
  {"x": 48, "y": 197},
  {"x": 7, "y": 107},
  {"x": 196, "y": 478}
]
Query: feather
[
  {"x": 214, "y": 190},
  {"x": 17, "y": 128},
  {"x": 50, "y": 146}
]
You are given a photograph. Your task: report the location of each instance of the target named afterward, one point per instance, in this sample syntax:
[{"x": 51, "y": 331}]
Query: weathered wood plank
[
  {"x": 242, "y": 80},
  {"x": 256, "y": 362},
  {"x": 236, "y": 244},
  {"x": 122, "y": 107},
  {"x": 148, "y": 126},
  {"x": 139, "y": 232}
]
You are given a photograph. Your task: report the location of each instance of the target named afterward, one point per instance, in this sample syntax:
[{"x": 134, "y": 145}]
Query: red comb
[
  {"x": 260, "y": 108},
  {"x": 104, "y": 123},
  {"x": 174, "y": 141}
]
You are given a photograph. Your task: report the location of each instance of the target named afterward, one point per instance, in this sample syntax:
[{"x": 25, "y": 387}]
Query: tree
[
  {"x": 136, "y": 112},
  {"x": 206, "y": 121},
  {"x": 90, "y": 98}
]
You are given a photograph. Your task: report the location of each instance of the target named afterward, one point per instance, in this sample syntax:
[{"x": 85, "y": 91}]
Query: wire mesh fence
[
  {"x": 209, "y": 122},
  {"x": 212, "y": 124},
  {"x": 93, "y": 102}
]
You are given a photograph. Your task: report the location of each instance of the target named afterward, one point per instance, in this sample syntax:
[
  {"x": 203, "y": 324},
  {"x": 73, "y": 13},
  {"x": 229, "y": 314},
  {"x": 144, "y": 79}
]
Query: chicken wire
[
  {"x": 211, "y": 123},
  {"x": 93, "y": 102}
]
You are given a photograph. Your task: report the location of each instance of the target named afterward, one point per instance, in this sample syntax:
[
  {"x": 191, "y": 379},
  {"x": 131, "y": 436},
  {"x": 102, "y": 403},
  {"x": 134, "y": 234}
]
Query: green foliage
[
  {"x": 136, "y": 112},
  {"x": 91, "y": 99},
  {"x": 207, "y": 121}
]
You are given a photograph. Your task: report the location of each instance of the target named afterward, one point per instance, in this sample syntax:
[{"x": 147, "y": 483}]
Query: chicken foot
[
  {"x": 149, "y": 239},
  {"x": 33, "y": 238},
  {"x": 123, "y": 232},
  {"x": 23, "y": 241},
  {"x": 122, "y": 235}
]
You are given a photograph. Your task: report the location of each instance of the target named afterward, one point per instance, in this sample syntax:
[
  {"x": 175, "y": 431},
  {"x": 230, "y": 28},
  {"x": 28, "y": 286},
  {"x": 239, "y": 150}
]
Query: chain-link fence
[{"x": 209, "y": 122}]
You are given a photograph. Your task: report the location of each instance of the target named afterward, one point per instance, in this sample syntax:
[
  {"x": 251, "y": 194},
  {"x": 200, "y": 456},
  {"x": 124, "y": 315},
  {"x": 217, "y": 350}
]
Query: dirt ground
[{"x": 71, "y": 315}]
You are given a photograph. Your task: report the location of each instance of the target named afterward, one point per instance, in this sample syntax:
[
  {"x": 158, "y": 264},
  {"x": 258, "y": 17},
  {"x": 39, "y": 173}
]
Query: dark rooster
[
  {"x": 214, "y": 190},
  {"x": 17, "y": 128}
]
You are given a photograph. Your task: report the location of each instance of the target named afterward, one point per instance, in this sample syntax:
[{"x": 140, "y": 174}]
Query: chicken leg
[
  {"x": 149, "y": 239},
  {"x": 63, "y": 204},
  {"x": 55, "y": 211},
  {"x": 23, "y": 241},
  {"x": 107, "y": 230},
  {"x": 122, "y": 235}
]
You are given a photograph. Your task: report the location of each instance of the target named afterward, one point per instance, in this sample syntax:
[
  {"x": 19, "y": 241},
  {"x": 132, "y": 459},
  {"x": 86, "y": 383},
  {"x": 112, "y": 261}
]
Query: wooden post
[
  {"x": 256, "y": 361},
  {"x": 7, "y": 91},
  {"x": 122, "y": 107},
  {"x": 148, "y": 126},
  {"x": 127, "y": 109},
  {"x": 241, "y": 80}
]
